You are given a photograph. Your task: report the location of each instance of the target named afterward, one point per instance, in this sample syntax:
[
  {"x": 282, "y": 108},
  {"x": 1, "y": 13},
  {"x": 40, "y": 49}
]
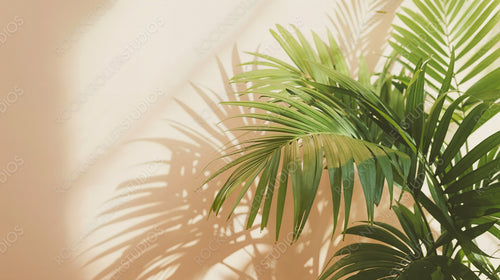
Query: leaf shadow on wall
[
  {"x": 362, "y": 28},
  {"x": 171, "y": 237}
]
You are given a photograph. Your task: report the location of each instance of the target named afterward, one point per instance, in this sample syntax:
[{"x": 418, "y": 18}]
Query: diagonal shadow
[
  {"x": 166, "y": 234},
  {"x": 361, "y": 28}
]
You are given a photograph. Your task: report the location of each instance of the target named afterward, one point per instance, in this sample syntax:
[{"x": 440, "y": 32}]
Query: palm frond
[
  {"x": 298, "y": 139},
  {"x": 435, "y": 29},
  {"x": 358, "y": 25},
  {"x": 317, "y": 117},
  {"x": 398, "y": 255},
  {"x": 463, "y": 185}
]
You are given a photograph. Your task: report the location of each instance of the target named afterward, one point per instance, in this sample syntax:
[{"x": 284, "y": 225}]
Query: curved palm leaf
[
  {"x": 466, "y": 194},
  {"x": 436, "y": 28},
  {"x": 456, "y": 175},
  {"x": 407, "y": 254},
  {"x": 317, "y": 116},
  {"x": 298, "y": 137},
  {"x": 307, "y": 123}
]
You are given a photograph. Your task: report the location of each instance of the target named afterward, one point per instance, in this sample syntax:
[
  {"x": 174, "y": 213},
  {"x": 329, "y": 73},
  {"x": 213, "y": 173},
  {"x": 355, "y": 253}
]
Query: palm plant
[{"x": 407, "y": 126}]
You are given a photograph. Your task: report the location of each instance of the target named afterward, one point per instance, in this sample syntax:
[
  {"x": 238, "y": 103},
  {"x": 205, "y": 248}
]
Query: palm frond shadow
[
  {"x": 358, "y": 26},
  {"x": 170, "y": 237}
]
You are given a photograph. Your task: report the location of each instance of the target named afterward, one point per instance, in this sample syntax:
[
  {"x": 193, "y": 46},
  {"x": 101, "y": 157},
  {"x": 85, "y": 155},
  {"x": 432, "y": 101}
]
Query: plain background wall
[{"x": 107, "y": 122}]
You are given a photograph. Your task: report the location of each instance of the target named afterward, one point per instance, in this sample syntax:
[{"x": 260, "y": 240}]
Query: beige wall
[{"x": 103, "y": 139}]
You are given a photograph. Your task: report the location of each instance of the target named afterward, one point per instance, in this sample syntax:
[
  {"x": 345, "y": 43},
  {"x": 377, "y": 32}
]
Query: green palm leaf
[
  {"x": 434, "y": 28},
  {"x": 298, "y": 138},
  {"x": 314, "y": 116},
  {"x": 308, "y": 127},
  {"x": 464, "y": 195},
  {"x": 399, "y": 255}
]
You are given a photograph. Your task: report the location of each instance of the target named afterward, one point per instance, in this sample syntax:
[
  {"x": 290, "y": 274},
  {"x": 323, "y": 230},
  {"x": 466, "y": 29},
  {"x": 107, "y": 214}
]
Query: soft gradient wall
[{"x": 107, "y": 123}]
